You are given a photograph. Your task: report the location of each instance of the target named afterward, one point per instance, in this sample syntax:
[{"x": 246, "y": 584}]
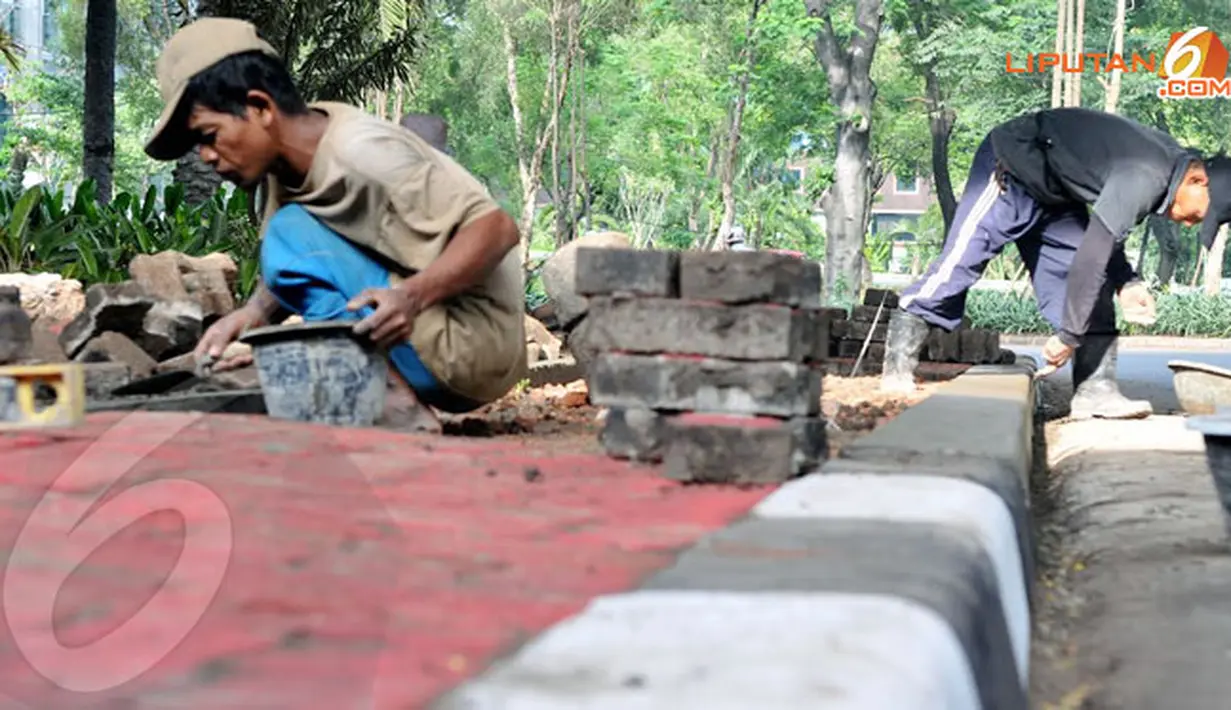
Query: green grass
[{"x": 1193, "y": 315}]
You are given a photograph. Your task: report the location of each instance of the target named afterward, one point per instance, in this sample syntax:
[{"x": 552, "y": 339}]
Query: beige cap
[{"x": 193, "y": 49}]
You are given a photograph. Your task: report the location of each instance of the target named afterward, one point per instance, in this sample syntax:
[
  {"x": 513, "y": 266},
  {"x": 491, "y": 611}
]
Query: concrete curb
[{"x": 898, "y": 576}]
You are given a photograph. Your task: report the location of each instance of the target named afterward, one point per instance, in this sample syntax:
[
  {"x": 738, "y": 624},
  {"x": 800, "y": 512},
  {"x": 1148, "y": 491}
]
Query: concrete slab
[
  {"x": 960, "y": 505},
  {"x": 732, "y": 651},
  {"x": 977, "y": 427},
  {"x": 682, "y": 383},
  {"x": 939, "y": 429},
  {"x": 933, "y": 565}
]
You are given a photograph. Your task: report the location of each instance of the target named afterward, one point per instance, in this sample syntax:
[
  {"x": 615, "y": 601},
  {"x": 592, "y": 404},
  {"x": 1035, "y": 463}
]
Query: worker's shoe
[
  {"x": 1095, "y": 392},
  {"x": 907, "y": 334}
]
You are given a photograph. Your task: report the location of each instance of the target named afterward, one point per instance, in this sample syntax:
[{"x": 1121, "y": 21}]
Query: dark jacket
[
  {"x": 1125, "y": 171},
  {"x": 1074, "y": 155}
]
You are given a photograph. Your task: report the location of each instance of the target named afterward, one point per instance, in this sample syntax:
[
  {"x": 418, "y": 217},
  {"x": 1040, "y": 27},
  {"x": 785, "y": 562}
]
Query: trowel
[{"x": 1045, "y": 371}]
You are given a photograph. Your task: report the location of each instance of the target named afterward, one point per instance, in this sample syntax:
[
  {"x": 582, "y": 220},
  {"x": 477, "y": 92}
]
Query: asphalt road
[{"x": 1143, "y": 372}]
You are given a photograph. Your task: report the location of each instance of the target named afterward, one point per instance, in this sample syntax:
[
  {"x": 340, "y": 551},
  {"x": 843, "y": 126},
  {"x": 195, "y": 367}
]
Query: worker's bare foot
[{"x": 404, "y": 411}]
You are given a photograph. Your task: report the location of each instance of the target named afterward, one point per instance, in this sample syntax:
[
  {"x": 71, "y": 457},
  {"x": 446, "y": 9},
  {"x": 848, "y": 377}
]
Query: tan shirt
[{"x": 383, "y": 187}]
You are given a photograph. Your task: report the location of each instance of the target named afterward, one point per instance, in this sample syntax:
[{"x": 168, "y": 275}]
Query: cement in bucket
[{"x": 320, "y": 372}]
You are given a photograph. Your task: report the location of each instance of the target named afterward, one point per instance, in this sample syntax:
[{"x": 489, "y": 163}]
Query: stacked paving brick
[
  {"x": 967, "y": 345},
  {"x": 709, "y": 362}
]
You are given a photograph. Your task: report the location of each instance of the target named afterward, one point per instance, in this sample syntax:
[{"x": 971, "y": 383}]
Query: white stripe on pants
[{"x": 965, "y": 234}]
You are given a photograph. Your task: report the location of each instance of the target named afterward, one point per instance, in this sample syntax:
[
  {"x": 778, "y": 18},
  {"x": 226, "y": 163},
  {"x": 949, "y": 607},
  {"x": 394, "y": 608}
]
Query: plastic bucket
[{"x": 319, "y": 372}]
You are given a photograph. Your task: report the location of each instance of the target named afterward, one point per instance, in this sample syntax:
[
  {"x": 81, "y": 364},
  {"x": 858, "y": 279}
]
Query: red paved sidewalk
[{"x": 353, "y": 568}]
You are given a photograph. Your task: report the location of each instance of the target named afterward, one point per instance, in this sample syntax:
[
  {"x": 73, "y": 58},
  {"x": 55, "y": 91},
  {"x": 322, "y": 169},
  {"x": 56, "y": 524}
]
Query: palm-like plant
[{"x": 335, "y": 50}]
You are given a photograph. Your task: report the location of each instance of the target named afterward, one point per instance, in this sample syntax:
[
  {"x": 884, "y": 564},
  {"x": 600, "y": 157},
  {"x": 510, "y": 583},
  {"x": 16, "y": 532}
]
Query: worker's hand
[
  {"x": 394, "y": 318},
  {"x": 1137, "y": 304},
  {"x": 1055, "y": 355},
  {"x": 223, "y": 332}
]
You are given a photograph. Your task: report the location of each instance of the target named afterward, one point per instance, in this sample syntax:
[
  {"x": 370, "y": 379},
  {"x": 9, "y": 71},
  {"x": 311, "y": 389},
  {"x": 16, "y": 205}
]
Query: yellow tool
[{"x": 19, "y": 406}]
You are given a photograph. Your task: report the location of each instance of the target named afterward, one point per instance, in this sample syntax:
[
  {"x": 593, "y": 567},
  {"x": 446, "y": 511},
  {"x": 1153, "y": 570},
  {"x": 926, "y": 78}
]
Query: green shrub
[
  {"x": 1179, "y": 314},
  {"x": 41, "y": 231},
  {"x": 1007, "y": 312},
  {"x": 1189, "y": 314}
]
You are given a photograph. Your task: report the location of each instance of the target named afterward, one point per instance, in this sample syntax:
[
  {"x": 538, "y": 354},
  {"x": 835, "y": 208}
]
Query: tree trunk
[
  {"x": 748, "y": 55},
  {"x": 1079, "y": 49},
  {"x": 940, "y": 119},
  {"x": 399, "y": 99},
  {"x": 698, "y": 197},
  {"x": 530, "y": 161},
  {"x": 552, "y": 87},
  {"x": 940, "y": 123},
  {"x": 1112, "y": 101},
  {"x": 199, "y": 180},
  {"x": 876, "y": 180},
  {"x": 1213, "y": 263},
  {"x": 848, "y": 70},
  {"x": 18, "y": 162},
  {"x": 564, "y": 198},
  {"x": 1057, "y": 77},
  {"x": 1069, "y": 23},
  {"x": 583, "y": 209},
  {"x": 529, "y": 176},
  {"x": 99, "y": 120},
  {"x": 570, "y": 225},
  {"x": 380, "y": 103}
]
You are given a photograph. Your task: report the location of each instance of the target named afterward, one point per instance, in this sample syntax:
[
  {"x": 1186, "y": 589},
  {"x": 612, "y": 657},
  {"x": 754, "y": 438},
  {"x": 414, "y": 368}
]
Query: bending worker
[
  {"x": 1030, "y": 183},
  {"x": 364, "y": 221}
]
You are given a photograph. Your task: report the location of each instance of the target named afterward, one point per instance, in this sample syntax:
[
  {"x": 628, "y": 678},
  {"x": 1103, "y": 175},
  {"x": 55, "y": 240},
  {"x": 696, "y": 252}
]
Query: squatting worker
[
  {"x": 1030, "y": 183},
  {"x": 364, "y": 221}
]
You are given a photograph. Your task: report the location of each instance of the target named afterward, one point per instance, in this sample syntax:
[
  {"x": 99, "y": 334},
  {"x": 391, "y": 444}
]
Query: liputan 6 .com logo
[{"x": 1195, "y": 66}]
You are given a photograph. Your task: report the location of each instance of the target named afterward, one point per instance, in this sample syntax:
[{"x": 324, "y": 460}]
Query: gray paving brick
[
  {"x": 943, "y": 347},
  {"x": 708, "y": 448},
  {"x": 676, "y": 383},
  {"x": 750, "y": 277},
  {"x": 977, "y": 427},
  {"x": 874, "y": 296},
  {"x": 642, "y": 272},
  {"x": 859, "y": 330},
  {"x": 662, "y": 325},
  {"x": 636, "y": 434}
]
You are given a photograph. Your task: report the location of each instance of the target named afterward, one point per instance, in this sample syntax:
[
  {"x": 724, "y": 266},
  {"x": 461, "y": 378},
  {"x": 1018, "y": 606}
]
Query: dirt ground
[
  {"x": 1131, "y": 610},
  {"x": 561, "y": 418}
]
